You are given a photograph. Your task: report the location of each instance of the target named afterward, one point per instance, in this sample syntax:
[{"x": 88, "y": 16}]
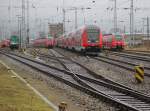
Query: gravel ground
[
  {"x": 143, "y": 48},
  {"x": 51, "y": 62},
  {"x": 110, "y": 71},
  {"x": 57, "y": 91},
  {"x": 130, "y": 60}
]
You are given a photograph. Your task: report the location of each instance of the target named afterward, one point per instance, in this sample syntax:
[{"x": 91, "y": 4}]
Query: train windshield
[
  {"x": 93, "y": 35},
  {"x": 118, "y": 37},
  {"x": 14, "y": 39}
]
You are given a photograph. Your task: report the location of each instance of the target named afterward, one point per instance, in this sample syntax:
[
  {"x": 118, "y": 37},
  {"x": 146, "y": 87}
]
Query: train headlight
[{"x": 13, "y": 43}]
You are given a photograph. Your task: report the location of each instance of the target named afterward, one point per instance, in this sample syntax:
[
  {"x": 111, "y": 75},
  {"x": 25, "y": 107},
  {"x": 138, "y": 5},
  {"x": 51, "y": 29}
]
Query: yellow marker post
[
  {"x": 63, "y": 106},
  {"x": 34, "y": 53},
  {"x": 23, "y": 50},
  {"x": 106, "y": 53},
  {"x": 139, "y": 73}
]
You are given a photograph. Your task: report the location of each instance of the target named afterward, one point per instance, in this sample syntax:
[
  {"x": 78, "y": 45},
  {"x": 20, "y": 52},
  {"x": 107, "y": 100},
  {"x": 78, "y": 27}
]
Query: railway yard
[
  {"x": 74, "y": 55},
  {"x": 91, "y": 83}
]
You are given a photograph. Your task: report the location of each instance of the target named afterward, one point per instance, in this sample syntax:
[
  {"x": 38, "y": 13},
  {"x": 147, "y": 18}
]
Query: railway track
[
  {"x": 139, "y": 51},
  {"x": 142, "y": 53},
  {"x": 123, "y": 98},
  {"x": 131, "y": 56},
  {"x": 121, "y": 63},
  {"x": 68, "y": 68},
  {"x": 89, "y": 73},
  {"x": 61, "y": 57}
]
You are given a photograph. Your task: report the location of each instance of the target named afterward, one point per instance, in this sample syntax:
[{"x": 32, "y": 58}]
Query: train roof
[
  {"x": 90, "y": 27},
  {"x": 43, "y": 38},
  {"x": 107, "y": 34},
  {"x": 113, "y": 34},
  {"x": 82, "y": 28}
]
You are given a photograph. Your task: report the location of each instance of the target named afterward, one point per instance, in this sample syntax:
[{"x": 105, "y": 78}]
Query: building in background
[
  {"x": 42, "y": 34},
  {"x": 55, "y": 30}
]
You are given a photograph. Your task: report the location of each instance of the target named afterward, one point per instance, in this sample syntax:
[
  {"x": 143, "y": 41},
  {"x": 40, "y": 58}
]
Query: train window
[
  {"x": 107, "y": 38},
  {"x": 14, "y": 38},
  {"x": 118, "y": 37},
  {"x": 93, "y": 35},
  {"x": 110, "y": 39}
]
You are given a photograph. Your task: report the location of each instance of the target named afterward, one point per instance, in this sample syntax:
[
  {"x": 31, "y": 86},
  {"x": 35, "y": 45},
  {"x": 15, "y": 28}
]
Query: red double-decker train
[
  {"x": 85, "y": 39},
  {"x": 43, "y": 42},
  {"x": 113, "y": 42},
  {"x": 5, "y": 43}
]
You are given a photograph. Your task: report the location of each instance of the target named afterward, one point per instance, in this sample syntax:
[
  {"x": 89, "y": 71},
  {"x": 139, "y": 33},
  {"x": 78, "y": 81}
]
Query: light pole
[
  {"x": 18, "y": 18},
  {"x": 76, "y": 18},
  {"x": 20, "y": 30},
  {"x": 28, "y": 29},
  {"x": 3, "y": 29},
  {"x": 148, "y": 28},
  {"x": 76, "y": 14},
  {"x": 143, "y": 23},
  {"x": 64, "y": 14},
  {"x": 9, "y": 21},
  {"x": 47, "y": 21},
  {"x": 64, "y": 17},
  {"x": 23, "y": 25},
  {"x": 115, "y": 16},
  {"x": 132, "y": 22},
  {"x": 84, "y": 20},
  {"x": 148, "y": 36},
  {"x": 36, "y": 19},
  {"x": 20, "y": 37},
  {"x": 124, "y": 28},
  {"x": 147, "y": 25}
]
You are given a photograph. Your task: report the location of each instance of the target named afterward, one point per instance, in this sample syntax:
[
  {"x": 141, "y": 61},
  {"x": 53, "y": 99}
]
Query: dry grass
[{"x": 16, "y": 96}]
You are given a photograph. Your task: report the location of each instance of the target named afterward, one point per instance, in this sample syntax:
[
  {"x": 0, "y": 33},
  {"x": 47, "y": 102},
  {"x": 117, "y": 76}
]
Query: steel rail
[
  {"x": 138, "y": 53},
  {"x": 132, "y": 106},
  {"x": 98, "y": 82},
  {"x": 113, "y": 62},
  {"x": 95, "y": 75},
  {"x": 131, "y": 56},
  {"x": 85, "y": 88}
]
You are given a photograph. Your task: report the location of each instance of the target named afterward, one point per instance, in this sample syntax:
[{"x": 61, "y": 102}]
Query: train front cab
[
  {"x": 118, "y": 43},
  {"x": 14, "y": 42},
  {"x": 92, "y": 40},
  {"x": 50, "y": 43},
  {"x": 14, "y": 46}
]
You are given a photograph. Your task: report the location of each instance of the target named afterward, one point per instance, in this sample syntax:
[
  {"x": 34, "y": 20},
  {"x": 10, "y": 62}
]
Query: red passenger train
[
  {"x": 113, "y": 42},
  {"x": 86, "y": 39},
  {"x": 43, "y": 42},
  {"x": 5, "y": 43}
]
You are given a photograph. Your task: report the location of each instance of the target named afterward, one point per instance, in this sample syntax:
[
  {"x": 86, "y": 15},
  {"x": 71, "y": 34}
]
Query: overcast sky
[{"x": 42, "y": 11}]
